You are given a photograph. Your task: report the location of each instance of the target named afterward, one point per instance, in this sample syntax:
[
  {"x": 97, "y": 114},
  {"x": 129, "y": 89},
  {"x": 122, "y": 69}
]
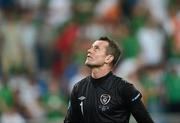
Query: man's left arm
[
  {"x": 133, "y": 101},
  {"x": 140, "y": 113}
]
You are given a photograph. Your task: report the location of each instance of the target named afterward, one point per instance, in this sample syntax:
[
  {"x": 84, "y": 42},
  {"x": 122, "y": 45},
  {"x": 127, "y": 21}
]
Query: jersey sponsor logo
[
  {"x": 105, "y": 98},
  {"x": 82, "y": 98}
]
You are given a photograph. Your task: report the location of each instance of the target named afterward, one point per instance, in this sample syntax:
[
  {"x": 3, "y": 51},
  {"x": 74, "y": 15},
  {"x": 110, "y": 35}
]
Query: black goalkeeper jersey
[{"x": 109, "y": 99}]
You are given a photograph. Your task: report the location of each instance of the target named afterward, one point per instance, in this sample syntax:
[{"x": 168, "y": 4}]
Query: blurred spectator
[
  {"x": 7, "y": 4},
  {"x": 139, "y": 17},
  {"x": 63, "y": 47},
  {"x": 29, "y": 38},
  {"x": 29, "y": 4},
  {"x": 93, "y": 29},
  {"x": 12, "y": 117},
  {"x": 172, "y": 85},
  {"x": 152, "y": 41},
  {"x": 54, "y": 102},
  {"x": 83, "y": 10},
  {"x": 6, "y": 95},
  {"x": 158, "y": 9},
  {"x": 43, "y": 46},
  {"x": 107, "y": 10},
  {"x": 28, "y": 94},
  {"x": 175, "y": 26},
  {"x": 1, "y": 46},
  {"x": 12, "y": 51},
  {"x": 151, "y": 79},
  {"x": 126, "y": 68},
  {"x": 8, "y": 110},
  {"x": 126, "y": 40},
  {"x": 59, "y": 11},
  {"x": 128, "y": 8}
]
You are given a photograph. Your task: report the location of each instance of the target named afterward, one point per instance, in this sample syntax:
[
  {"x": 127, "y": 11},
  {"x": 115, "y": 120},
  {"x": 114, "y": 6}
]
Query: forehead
[{"x": 100, "y": 43}]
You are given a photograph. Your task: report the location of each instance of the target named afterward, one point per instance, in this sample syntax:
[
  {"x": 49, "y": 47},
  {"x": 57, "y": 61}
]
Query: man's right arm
[{"x": 73, "y": 114}]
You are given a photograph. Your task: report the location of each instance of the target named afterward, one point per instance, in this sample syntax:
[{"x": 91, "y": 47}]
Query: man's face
[{"x": 97, "y": 54}]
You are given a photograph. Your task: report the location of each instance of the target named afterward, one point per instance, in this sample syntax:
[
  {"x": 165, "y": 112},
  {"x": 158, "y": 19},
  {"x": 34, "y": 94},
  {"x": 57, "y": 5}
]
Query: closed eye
[{"x": 96, "y": 48}]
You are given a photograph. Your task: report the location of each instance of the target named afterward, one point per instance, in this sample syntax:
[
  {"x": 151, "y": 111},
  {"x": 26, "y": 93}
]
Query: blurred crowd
[{"x": 43, "y": 46}]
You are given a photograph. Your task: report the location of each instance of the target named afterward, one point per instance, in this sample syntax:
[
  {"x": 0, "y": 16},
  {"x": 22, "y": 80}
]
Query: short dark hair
[{"x": 113, "y": 49}]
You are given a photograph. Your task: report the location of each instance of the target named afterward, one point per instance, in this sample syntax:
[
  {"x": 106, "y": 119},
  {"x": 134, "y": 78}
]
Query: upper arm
[
  {"x": 130, "y": 94},
  {"x": 73, "y": 115},
  {"x": 132, "y": 98}
]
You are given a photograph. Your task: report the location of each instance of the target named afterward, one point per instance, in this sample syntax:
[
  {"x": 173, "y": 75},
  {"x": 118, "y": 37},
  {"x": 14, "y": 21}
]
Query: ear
[{"x": 109, "y": 59}]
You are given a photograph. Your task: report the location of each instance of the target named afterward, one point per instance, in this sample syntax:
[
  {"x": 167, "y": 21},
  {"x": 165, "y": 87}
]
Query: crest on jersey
[{"x": 105, "y": 98}]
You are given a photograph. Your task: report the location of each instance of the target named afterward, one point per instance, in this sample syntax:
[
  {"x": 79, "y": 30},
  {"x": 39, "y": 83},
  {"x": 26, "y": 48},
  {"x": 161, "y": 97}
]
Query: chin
[
  {"x": 87, "y": 64},
  {"x": 91, "y": 65}
]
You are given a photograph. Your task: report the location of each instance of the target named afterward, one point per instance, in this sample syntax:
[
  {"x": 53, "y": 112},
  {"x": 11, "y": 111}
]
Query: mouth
[{"x": 88, "y": 56}]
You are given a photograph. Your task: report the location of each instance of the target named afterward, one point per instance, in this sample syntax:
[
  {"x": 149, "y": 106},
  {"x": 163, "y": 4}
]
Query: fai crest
[{"x": 105, "y": 98}]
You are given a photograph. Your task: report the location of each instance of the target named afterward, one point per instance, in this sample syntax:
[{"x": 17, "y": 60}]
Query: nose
[{"x": 89, "y": 50}]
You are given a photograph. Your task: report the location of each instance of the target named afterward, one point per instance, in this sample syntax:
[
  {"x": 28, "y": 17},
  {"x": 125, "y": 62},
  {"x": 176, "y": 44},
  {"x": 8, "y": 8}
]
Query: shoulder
[
  {"x": 127, "y": 90},
  {"x": 121, "y": 82},
  {"x": 124, "y": 85},
  {"x": 82, "y": 83}
]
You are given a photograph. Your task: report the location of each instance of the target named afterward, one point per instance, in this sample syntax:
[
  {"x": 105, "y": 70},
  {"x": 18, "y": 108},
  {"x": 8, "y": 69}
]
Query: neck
[{"x": 99, "y": 72}]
